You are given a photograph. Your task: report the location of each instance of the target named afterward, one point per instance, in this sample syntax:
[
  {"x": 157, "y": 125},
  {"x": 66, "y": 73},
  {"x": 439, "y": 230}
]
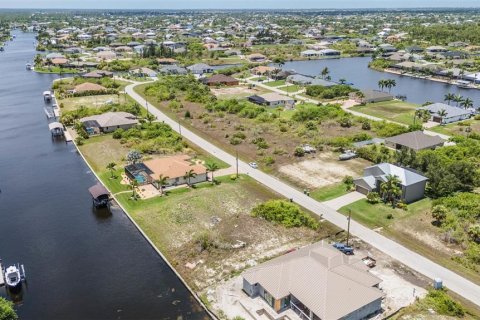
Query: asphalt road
[{"x": 453, "y": 281}]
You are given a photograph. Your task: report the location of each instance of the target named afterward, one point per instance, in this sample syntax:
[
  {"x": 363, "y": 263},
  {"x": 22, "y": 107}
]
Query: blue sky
[{"x": 233, "y": 4}]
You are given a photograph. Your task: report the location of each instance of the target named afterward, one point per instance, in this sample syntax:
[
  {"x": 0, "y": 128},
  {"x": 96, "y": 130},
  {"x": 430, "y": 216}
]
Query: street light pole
[
  {"x": 348, "y": 227},
  {"x": 236, "y": 160}
]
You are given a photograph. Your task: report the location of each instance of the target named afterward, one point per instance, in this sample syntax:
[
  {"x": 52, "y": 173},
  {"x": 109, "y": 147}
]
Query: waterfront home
[
  {"x": 273, "y": 99},
  {"x": 315, "y": 282},
  {"x": 451, "y": 114},
  {"x": 370, "y": 96},
  {"x": 329, "y": 53},
  {"x": 143, "y": 72},
  {"x": 416, "y": 140},
  {"x": 59, "y": 61},
  {"x": 97, "y": 74},
  {"x": 89, "y": 87},
  {"x": 436, "y": 49},
  {"x": 306, "y": 80},
  {"x": 200, "y": 68},
  {"x": 263, "y": 70},
  {"x": 220, "y": 80},
  {"x": 174, "y": 168},
  {"x": 108, "y": 122},
  {"x": 172, "y": 69},
  {"x": 412, "y": 184},
  {"x": 256, "y": 57}
]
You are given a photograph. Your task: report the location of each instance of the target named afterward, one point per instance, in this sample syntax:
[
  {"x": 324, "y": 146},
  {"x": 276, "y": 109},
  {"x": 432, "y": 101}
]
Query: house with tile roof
[{"x": 316, "y": 282}]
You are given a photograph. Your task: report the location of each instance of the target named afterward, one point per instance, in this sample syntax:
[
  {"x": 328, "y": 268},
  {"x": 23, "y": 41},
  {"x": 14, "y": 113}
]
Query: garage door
[{"x": 361, "y": 189}]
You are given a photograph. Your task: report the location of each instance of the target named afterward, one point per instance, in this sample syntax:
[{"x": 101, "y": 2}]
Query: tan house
[
  {"x": 174, "y": 168},
  {"x": 88, "y": 86},
  {"x": 108, "y": 122},
  {"x": 263, "y": 70},
  {"x": 316, "y": 282}
]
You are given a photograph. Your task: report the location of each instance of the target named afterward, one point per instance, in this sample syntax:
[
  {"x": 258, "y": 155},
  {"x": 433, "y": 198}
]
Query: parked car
[
  {"x": 308, "y": 148},
  {"x": 347, "y": 155},
  {"x": 253, "y": 165},
  {"x": 343, "y": 248}
]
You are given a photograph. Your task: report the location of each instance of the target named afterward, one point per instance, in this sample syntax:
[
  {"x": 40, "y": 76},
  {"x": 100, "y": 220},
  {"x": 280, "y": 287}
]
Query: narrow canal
[
  {"x": 79, "y": 264},
  {"x": 356, "y": 71}
]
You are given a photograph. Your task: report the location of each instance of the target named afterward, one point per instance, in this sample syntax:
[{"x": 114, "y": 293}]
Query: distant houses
[
  {"x": 444, "y": 113},
  {"x": 416, "y": 141},
  {"x": 200, "y": 68},
  {"x": 371, "y": 96},
  {"x": 220, "y": 80}
]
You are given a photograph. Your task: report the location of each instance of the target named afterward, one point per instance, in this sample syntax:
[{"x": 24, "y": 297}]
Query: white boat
[
  {"x": 29, "y": 66},
  {"x": 463, "y": 84},
  {"x": 13, "y": 278},
  {"x": 47, "y": 95}
]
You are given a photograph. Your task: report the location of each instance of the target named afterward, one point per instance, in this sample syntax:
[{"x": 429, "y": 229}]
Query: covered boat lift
[
  {"x": 56, "y": 129},
  {"x": 100, "y": 195}
]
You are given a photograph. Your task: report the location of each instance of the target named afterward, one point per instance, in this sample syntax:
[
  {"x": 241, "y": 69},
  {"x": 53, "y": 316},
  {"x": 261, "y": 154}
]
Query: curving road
[{"x": 453, "y": 281}]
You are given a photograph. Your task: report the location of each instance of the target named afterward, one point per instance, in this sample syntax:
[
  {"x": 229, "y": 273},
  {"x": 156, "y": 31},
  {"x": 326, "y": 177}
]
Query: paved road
[{"x": 453, "y": 281}]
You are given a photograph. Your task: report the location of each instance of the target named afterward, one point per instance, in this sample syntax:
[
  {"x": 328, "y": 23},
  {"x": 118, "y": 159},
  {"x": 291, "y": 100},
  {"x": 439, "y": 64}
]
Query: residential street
[{"x": 453, "y": 281}]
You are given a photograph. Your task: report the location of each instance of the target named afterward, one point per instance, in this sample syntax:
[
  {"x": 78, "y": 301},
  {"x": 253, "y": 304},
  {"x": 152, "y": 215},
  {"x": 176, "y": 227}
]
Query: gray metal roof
[
  {"x": 406, "y": 176},
  {"x": 416, "y": 140},
  {"x": 451, "y": 111}
]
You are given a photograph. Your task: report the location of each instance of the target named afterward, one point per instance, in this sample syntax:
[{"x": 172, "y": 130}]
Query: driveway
[
  {"x": 452, "y": 280},
  {"x": 344, "y": 200}
]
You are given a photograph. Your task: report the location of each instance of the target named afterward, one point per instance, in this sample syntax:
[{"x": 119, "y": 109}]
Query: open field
[
  {"x": 459, "y": 128},
  {"x": 69, "y": 104},
  {"x": 237, "y": 92},
  {"x": 290, "y": 89},
  {"x": 323, "y": 170},
  {"x": 395, "y": 110},
  {"x": 412, "y": 228},
  {"x": 275, "y": 83}
]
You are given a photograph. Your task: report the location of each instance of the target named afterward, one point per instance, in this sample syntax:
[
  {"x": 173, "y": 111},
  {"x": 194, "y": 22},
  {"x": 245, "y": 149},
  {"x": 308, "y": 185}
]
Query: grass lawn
[
  {"x": 329, "y": 192},
  {"x": 376, "y": 215},
  {"x": 69, "y": 104},
  {"x": 458, "y": 128},
  {"x": 394, "y": 110},
  {"x": 292, "y": 88},
  {"x": 259, "y": 79},
  {"x": 275, "y": 83}
]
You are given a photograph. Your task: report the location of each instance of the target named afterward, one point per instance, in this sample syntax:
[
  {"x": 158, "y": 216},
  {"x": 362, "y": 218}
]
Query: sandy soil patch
[
  {"x": 324, "y": 170},
  {"x": 238, "y": 91}
]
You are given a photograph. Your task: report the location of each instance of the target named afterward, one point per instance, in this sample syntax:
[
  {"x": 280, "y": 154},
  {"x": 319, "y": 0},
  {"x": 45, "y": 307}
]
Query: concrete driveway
[{"x": 344, "y": 200}]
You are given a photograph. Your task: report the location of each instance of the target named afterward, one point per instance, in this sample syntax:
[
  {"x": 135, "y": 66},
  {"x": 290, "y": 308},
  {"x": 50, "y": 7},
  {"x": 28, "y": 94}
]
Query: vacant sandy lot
[
  {"x": 236, "y": 92},
  {"x": 323, "y": 170}
]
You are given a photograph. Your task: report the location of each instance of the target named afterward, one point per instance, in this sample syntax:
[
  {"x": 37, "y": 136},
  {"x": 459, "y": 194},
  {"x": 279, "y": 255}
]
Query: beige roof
[
  {"x": 112, "y": 119},
  {"x": 173, "y": 167},
  {"x": 88, "y": 86},
  {"x": 59, "y": 61},
  {"x": 325, "y": 280},
  {"x": 416, "y": 140},
  {"x": 273, "y": 97},
  {"x": 263, "y": 69}
]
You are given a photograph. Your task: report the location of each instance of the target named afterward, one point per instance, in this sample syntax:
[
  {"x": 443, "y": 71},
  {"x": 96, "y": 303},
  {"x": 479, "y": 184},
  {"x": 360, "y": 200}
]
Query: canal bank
[
  {"x": 356, "y": 71},
  {"x": 81, "y": 264}
]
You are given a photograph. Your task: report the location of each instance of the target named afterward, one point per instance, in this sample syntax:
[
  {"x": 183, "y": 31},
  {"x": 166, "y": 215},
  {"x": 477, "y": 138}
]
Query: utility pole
[
  {"x": 146, "y": 104},
  {"x": 236, "y": 160},
  {"x": 348, "y": 227}
]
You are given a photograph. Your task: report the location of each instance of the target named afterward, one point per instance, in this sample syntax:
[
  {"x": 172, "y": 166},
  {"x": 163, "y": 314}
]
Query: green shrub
[
  {"x": 235, "y": 141},
  {"x": 373, "y": 197},
  {"x": 286, "y": 213},
  {"x": 117, "y": 134},
  {"x": 299, "y": 152},
  {"x": 6, "y": 310},
  {"x": 441, "y": 302}
]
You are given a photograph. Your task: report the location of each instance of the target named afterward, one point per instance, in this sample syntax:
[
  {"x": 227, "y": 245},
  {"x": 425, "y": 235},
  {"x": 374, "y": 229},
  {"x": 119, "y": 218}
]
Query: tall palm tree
[
  {"x": 111, "y": 166},
  {"x": 212, "y": 167},
  {"x": 467, "y": 103},
  {"x": 390, "y": 189},
  {"x": 325, "y": 72},
  {"x": 390, "y": 83},
  {"x": 161, "y": 181},
  {"x": 188, "y": 175},
  {"x": 457, "y": 99},
  {"x": 381, "y": 84},
  {"x": 442, "y": 113},
  {"x": 133, "y": 186},
  {"x": 449, "y": 97}
]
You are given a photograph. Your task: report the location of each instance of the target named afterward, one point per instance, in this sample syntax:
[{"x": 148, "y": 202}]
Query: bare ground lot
[
  {"x": 236, "y": 92},
  {"x": 322, "y": 170},
  {"x": 69, "y": 104}
]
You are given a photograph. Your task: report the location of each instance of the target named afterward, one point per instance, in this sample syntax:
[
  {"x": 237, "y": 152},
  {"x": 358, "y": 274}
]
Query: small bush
[
  {"x": 439, "y": 301},
  {"x": 235, "y": 141},
  {"x": 286, "y": 213},
  {"x": 389, "y": 216},
  {"x": 299, "y": 152},
  {"x": 117, "y": 134},
  {"x": 373, "y": 197}
]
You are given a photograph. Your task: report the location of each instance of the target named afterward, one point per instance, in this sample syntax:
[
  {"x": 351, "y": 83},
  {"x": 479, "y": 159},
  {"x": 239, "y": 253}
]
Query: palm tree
[
  {"x": 390, "y": 83},
  {"x": 325, "y": 72},
  {"x": 342, "y": 81},
  {"x": 442, "y": 113},
  {"x": 390, "y": 189},
  {"x": 111, "y": 167},
  {"x": 161, "y": 181},
  {"x": 188, "y": 175},
  {"x": 133, "y": 186},
  {"x": 381, "y": 84},
  {"x": 458, "y": 99},
  {"x": 467, "y": 103},
  {"x": 212, "y": 167},
  {"x": 449, "y": 97}
]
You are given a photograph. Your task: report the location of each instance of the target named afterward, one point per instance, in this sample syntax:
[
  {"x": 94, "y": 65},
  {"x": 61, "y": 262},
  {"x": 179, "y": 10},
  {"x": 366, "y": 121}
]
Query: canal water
[
  {"x": 80, "y": 264},
  {"x": 356, "y": 71}
]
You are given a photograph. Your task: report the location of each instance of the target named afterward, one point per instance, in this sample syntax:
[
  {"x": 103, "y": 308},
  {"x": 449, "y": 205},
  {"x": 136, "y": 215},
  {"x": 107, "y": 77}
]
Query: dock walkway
[{"x": 2, "y": 281}]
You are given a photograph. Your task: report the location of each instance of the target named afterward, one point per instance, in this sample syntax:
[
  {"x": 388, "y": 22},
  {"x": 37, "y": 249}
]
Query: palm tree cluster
[
  {"x": 459, "y": 100},
  {"x": 390, "y": 189},
  {"x": 387, "y": 83}
]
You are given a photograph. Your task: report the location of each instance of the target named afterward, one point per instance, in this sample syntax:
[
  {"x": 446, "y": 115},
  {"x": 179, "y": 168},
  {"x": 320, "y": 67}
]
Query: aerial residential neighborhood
[{"x": 246, "y": 163}]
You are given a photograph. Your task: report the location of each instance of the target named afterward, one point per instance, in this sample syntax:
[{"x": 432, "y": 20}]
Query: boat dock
[{"x": 68, "y": 136}]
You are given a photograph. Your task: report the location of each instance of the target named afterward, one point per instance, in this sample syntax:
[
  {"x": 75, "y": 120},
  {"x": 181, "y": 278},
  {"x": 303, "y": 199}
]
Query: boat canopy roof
[
  {"x": 97, "y": 191},
  {"x": 55, "y": 125},
  {"x": 46, "y": 93}
]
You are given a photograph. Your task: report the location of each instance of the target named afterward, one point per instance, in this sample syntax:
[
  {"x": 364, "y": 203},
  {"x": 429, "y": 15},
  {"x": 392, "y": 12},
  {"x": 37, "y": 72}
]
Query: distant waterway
[
  {"x": 356, "y": 71},
  {"x": 80, "y": 264}
]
